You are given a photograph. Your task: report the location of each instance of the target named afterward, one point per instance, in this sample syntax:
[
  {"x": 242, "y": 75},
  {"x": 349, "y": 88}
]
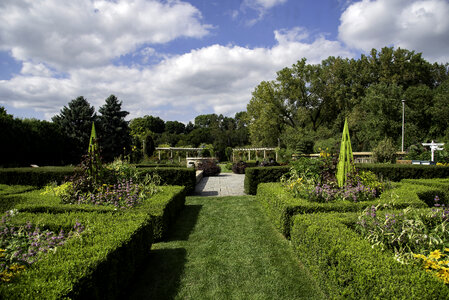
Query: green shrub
[
  {"x": 281, "y": 206},
  {"x": 347, "y": 267},
  {"x": 239, "y": 167},
  {"x": 397, "y": 172},
  {"x": 34, "y": 176},
  {"x": 385, "y": 152},
  {"x": 209, "y": 168},
  {"x": 254, "y": 176}
]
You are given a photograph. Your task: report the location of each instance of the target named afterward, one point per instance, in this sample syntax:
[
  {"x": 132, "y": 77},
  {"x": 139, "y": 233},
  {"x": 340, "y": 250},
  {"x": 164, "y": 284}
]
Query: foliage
[
  {"x": 305, "y": 99},
  {"x": 22, "y": 246},
  {"x": 407, "y": 232},
  {"x": 347, "y": 267},
  {"x": 209, "y": 168},
  {"x": 115, "y": 139},
  {"x": 31, "y": 141},
  {"x": 397, "y": 172},
  {"x": 173, "y": 176},
  {"x": 148, "y": 146},
  {"x": 385, "y": 151},
  {"x": 436, "y": 263},
  {"x": 281, "y": 205},
  {"x": 34, "y": 176},
  {"x": 75, "y": 121},
  {"x": 256, "y": 175}
]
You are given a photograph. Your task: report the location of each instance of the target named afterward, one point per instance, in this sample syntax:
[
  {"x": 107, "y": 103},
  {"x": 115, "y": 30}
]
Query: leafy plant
[
  {"x": 385, "y": 151},
  {"x": 408, "y": 232},
  {"x": 209, "y": 168},
  {"x": 21, "y": 246}
]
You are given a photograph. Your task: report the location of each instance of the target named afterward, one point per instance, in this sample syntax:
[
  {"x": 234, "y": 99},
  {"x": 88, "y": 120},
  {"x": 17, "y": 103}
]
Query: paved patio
[{"x": 225, "y": 184}]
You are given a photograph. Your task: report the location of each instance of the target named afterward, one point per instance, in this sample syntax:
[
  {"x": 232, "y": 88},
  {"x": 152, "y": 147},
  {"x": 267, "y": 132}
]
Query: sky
[{"x": 177, "y": 59}]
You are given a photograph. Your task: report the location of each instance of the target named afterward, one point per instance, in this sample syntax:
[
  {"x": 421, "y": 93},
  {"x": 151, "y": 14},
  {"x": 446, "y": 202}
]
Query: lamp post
[{"x": 403, "y": 122}]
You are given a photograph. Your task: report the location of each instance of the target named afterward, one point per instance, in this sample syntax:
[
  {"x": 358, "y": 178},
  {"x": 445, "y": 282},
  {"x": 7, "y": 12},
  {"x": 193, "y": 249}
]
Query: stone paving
[{"x": 225, "y": 184}]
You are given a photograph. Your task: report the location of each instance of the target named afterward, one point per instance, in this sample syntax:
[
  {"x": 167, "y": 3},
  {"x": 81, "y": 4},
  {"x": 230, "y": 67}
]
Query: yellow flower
[
  {"x": 435, "y": 254},
  {"x": 419, "y": 256}
]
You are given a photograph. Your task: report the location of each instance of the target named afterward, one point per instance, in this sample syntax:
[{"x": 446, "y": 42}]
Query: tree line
[
  {"x": 304, "y": 108},
  {"x": 65, "y": 139}
]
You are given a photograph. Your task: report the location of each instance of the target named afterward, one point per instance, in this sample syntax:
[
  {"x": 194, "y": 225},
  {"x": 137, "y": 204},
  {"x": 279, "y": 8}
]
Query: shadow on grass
[
  {"x": 185, "y": 224},
  {"x": 160, "y": 278},
  {"x": 160, "y": 274}
]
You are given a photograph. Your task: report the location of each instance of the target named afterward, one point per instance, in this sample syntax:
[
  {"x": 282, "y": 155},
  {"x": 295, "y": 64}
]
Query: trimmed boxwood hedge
[
  {"x": 8, "y": 195},
  {"x": 174, "y": 176},
  {"x": 44, "y": 175},
  {"x": 97, "y": 266},
  {"x": 347, "y": 267},
  {"x": 104, "y": 261},
  {"x": 34, "y": 176},
  {"x": 163, "y": 206},
  {"x": 254, "y": 176},
  {"x": 281, "y": 206},
  {"x": 397, "y": 172}
]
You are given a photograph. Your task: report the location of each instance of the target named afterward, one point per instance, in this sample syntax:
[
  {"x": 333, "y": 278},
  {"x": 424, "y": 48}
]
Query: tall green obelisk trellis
[
  {"x": 345, "y": 160},
  {"x": 94, "y": 157}
]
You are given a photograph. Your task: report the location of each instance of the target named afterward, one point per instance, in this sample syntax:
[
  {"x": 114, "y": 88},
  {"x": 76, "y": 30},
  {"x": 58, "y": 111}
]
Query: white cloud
[
  {"x": 421, "y": 25},
  {"x": 216, "y": 79},
  {"x": 85, "y": 33},
  {"x": 261, "y": 6}
]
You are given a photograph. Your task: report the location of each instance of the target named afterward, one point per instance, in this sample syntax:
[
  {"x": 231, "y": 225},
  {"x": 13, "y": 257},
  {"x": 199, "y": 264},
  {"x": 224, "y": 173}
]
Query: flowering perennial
[{"x": 21, "y": 246}]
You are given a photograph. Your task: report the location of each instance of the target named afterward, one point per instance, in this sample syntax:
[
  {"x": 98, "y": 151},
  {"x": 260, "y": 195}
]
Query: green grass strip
[{"x": 223, "y": 248}]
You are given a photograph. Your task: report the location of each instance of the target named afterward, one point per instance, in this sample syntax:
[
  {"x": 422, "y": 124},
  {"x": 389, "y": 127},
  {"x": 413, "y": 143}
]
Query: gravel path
[{"x": 225, "y": 184}]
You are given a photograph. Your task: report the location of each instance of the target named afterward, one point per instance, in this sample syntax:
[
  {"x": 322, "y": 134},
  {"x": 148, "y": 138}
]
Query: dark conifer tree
[
  {"x": 75, "y": 121},
  {"x": 114, "y": 134}
]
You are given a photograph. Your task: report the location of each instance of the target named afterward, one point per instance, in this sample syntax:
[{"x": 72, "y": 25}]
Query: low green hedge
[
  {"x": 347, "y": 267},
  {"x": 281, "y": 206},
  {"x": 174, "y": 176},
  {"x": 44, "y": 175},
  {"x": 434, "y": 182},
  {"x": 157, "y": 166},
  {"x": 397, "y": 172},
  {"x": 103, "y": 262},
  {"x": 254, "y": 176},
  {"x": 163, "y": 206},
  {"x": 99, "y": 265},
  {"x": 8, "y": 195},
  {"x": 34, "y": 176}
]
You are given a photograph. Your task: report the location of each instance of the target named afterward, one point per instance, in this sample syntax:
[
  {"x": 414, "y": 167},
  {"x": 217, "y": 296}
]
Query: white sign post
[{"x": 434, "y": 146}]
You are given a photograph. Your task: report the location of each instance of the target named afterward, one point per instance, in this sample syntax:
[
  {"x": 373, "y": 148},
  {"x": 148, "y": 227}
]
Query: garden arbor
[
  {"x": 171, "y": 149},
  {"x": 248, "y": 150}
]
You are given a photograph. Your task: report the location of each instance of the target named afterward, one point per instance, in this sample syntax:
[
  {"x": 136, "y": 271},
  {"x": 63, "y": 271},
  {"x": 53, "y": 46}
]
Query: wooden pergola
[
  {"x": 171, "y": 149},
  {"x": 254, "y": 149}
]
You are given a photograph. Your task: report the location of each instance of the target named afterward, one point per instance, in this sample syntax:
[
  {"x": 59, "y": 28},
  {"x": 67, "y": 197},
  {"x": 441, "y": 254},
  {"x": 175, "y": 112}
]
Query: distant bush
[
  {"x": 385, "y": 151},
  {"x": 209, "y": 168}
]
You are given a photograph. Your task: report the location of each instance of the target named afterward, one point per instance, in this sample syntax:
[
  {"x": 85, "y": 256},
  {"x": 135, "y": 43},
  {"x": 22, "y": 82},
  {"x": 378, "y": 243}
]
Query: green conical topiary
[
  {"x": 345, "y": 160},
  {"x": 93, "y": 145}
]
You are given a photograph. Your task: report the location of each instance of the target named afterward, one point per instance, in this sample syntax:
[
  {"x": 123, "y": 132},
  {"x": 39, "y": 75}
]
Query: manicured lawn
[{"x": 223, "y": 248}]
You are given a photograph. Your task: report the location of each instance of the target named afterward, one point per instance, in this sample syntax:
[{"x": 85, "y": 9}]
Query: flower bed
[
  {"x": 104, "y": 260},
  {"x": 280, "y": 205},
  {"x": 347, "y": 266}
]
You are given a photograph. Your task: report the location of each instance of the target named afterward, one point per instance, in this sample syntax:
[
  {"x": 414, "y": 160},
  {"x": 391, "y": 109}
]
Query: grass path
[{"x": 223, "y": 248}]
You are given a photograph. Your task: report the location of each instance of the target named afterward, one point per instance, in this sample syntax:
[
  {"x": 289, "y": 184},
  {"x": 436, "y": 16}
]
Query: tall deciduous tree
[
  {"x": 114, "y": 133},
  {"x": 75, "y": 121}
]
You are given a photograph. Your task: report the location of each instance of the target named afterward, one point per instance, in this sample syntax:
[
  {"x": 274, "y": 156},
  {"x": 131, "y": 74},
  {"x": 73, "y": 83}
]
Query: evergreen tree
[
  {"x": 75, "y": 122},
  {"x": 114, "y": 135}
]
